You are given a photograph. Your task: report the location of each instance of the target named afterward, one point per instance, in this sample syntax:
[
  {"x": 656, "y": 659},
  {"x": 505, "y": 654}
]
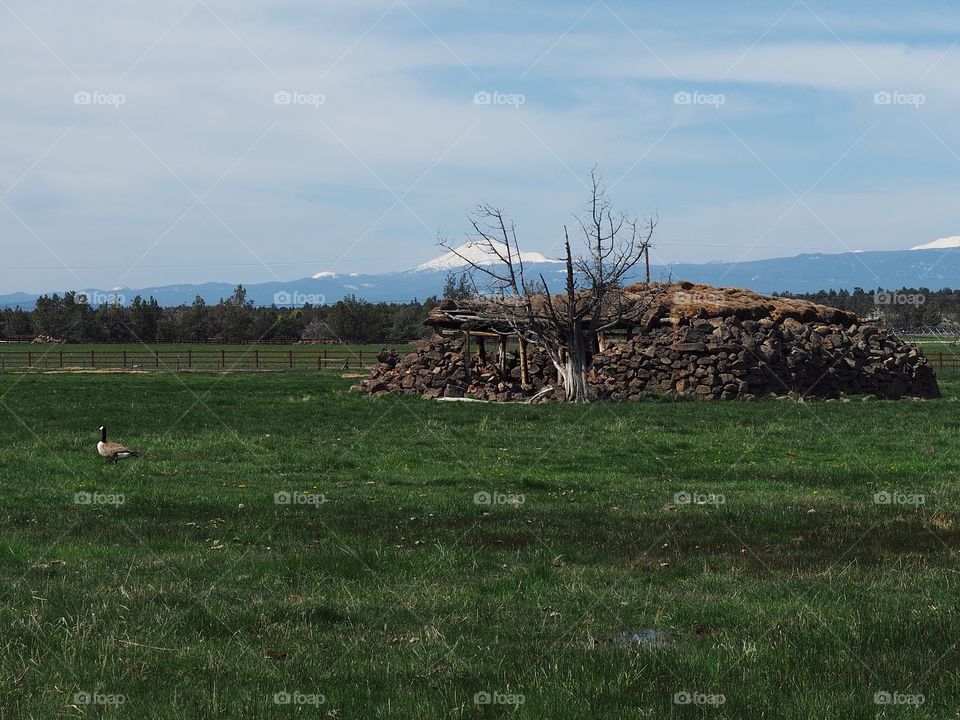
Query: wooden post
[
  {"x": 524, "y": 372},
  {"x": 319, "y": 361},
  {"x": 482, "y": 350},
  {"x": 93, "y": 359},
  {"x": 563, "y": 358},
  {"x": 190, "y": 357},
  {"x": 61, "y": 359},
  {"x": 290, "y": 358},
  {"x": 156, "y": 359},
  {"x": 256, "y": 357},
  {"x": 223, "y": 358},
  {"x": 502, "y": 359},
  {"x": 466, "y": 355},
  {"x": 124, "y": 359},
  {"x": 30, "y": 358}
]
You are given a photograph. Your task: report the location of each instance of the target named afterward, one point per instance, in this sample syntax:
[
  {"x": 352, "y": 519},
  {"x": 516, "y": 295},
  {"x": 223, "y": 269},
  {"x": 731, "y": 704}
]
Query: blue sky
[{"x": 153, "y": 144}]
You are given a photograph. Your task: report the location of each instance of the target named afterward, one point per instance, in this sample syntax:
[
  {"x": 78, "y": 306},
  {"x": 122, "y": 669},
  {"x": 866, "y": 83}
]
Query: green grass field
[{"x": 384, "y": 590}]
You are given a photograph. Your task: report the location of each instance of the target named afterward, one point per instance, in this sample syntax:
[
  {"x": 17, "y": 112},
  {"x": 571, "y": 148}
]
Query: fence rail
[
  {"x": 951, "y": 332},
  {"x": 252, "y": 358},
  {"x": 944, "y": 361}
]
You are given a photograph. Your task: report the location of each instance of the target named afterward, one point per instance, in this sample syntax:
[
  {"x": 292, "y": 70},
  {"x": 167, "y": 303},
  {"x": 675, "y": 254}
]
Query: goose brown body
[{"x": 113, "y": 451}]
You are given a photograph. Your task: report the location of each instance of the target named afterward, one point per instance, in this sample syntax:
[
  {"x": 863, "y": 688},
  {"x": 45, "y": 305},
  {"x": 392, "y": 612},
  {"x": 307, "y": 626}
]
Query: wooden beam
[
  {"x": 466, "y": 355},
  {"x": 502, "y": 359},
  {"x": 524, "y": 373}
]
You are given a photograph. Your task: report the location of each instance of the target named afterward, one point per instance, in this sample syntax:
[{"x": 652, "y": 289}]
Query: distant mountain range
[{"x": 935, "y": 266}]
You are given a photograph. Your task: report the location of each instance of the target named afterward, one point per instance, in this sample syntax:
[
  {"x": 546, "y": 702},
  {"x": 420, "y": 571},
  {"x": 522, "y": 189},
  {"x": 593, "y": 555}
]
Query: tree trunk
[
  {"x": 575, "y": 368},
  {"x": 524, "y": 373}
]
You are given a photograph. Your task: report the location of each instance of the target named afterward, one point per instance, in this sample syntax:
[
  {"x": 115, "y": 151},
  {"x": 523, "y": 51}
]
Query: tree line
[
  {"x": 903, "y": 308},
  {"x": 236, "y": 319},
  {"x": 233, "y": 319}
]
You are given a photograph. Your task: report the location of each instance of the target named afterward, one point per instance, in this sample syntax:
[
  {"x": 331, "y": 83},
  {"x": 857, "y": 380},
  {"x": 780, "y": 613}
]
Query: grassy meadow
[{"x": 286, "y": 549}]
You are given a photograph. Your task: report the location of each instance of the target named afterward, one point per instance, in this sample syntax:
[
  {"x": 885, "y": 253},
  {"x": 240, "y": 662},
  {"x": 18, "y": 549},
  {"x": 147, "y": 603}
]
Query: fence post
[
  {"x": 941, "y": 359},
  {"x": 190, "y": 358},
  {"x": 360, "y": 358},
  {"x": 319, "y": 361},
  {"x": 124, "y": 359},
  {"x": 61, "y": 359},
  {"x": 223, "y": 358},
  {"x": 256, "y": 355},
  {"x": 290, "y": 357},
  {"x": 93, "y": 358},
  {"x": 29, "y": 358}
]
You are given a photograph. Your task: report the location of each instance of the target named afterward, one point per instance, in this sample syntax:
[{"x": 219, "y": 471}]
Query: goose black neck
[{"x": 103, "y": 434}]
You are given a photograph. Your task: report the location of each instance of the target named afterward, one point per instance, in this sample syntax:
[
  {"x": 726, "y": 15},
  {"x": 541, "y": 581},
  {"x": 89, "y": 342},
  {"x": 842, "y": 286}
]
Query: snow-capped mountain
[
  {"x": 479, "y": 254},
  {"x": 941, "y": 244},
  {"x": 934, "y": 265}
]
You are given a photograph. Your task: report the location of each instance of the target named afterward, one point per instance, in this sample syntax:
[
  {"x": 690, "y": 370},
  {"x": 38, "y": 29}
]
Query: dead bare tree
[{"x": 593, "y": 300}]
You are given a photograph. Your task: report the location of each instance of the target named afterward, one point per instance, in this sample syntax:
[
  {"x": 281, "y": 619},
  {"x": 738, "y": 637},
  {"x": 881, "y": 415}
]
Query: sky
[{"x": 144, "y": 144}]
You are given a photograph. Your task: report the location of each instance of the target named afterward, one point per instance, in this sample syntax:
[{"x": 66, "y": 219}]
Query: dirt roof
[
  {"x": 685, "y": 300},
  {"x": 659, "y": 304}
]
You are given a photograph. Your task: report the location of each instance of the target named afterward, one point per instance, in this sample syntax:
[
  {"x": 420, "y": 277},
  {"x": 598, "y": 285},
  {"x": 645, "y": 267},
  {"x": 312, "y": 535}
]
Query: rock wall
[
  {"x": 728, "y": 358},
  {"x": 437, "y": 369},
  {"x": 714, "y": 358},
  {"x": 692, "y": 340}
]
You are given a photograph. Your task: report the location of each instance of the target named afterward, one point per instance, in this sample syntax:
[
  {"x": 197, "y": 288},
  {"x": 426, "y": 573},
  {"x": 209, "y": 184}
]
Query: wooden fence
[
  {"x": 225, "y": 359},
  {"x": 944, "y": 361},
  {"x": 252, "y": 358}
]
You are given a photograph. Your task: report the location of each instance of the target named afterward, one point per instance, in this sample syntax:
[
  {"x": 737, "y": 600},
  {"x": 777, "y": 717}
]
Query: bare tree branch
[{"x": 593, "y": 298}]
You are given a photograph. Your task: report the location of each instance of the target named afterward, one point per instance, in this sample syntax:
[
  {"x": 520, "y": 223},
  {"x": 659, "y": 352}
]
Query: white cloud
[{"x": 200, "y": 94}]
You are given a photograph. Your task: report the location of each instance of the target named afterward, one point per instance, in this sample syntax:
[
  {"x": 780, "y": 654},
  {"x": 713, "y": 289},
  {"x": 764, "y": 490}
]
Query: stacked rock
[
  {"x": 437, "y": 368},
  {"x": 726, "y": 358},
  {"x": 692, "y": 340}
]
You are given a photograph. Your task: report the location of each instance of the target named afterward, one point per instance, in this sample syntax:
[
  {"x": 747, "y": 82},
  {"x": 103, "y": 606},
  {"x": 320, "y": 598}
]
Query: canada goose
[{"x": 112, "y": 451}]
